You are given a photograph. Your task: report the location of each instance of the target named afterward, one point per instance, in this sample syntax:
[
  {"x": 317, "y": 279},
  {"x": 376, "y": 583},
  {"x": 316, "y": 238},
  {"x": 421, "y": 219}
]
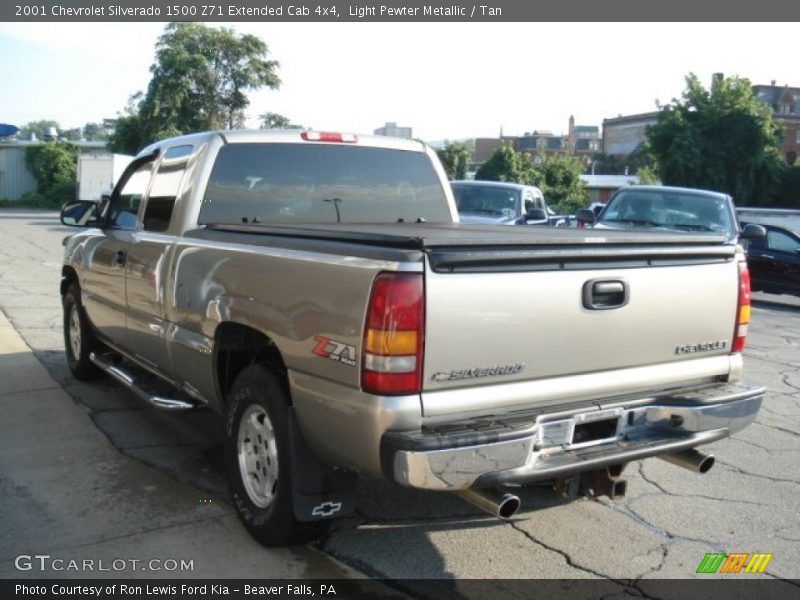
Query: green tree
[
  {"x": 95, "y": 131},
  {"x": 273, "y": 120},
  {"x": 559, "y": 178},
  {"x": 648, "y": 176},
  {"x": 200, "y": 81},
  {"x": 38, "y": 128},
  {"x": 722, "y": 138},
  {"x": 73, "y": 135},
  {"x": 455, "y": 158},
  {"x": 506, "y": 164},
  {"x": 54, "y": 165},
  {"x": 787, "y": 192}
]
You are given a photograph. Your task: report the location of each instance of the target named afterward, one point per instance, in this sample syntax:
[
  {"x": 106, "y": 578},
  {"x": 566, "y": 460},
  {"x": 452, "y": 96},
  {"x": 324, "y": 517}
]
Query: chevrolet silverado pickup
[{"x": 318, "y": 292}]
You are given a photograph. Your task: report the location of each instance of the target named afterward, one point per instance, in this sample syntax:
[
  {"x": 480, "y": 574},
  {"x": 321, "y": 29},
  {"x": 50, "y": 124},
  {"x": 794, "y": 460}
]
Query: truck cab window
[
  {"x": 165, "y": 189},
  {"x": 124, "y": 208}
]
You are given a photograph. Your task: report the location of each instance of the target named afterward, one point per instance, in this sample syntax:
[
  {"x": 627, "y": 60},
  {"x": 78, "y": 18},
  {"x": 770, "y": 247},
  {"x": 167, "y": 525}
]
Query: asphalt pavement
[{"x": 87, "y": 470}]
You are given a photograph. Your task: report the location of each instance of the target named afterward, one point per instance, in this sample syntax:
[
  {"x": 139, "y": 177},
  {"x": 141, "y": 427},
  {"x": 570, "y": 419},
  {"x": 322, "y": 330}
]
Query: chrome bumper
[{"x": 539, "y": 446}]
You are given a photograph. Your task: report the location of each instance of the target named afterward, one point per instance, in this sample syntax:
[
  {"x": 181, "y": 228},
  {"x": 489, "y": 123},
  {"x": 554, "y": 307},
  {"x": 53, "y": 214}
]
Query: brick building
[{"x": 785, "y": 104}]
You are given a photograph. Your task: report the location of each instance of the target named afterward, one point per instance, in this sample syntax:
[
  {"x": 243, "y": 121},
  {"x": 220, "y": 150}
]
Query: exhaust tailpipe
[
  {"x": 692, "y": 459},
  {"x": 498, "y": 504}
]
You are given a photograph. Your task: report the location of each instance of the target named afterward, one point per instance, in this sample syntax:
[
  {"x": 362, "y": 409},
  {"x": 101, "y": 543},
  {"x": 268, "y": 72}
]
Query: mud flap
[{"x": 319, "y": 492}]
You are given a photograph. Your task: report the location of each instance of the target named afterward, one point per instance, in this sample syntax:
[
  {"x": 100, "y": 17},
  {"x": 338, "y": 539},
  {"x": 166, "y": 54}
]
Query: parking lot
[{"x": 102, "y": 475}]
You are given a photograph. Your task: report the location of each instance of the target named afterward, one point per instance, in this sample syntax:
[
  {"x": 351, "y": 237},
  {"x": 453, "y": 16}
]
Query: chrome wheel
[
  {"x": 75, "y": 332},
  {"x": 258, "y": 455}
]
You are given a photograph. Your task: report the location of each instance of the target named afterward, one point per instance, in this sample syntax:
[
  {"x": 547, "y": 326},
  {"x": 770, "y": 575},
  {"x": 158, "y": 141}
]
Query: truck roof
[{"x": 286, "y": 136}]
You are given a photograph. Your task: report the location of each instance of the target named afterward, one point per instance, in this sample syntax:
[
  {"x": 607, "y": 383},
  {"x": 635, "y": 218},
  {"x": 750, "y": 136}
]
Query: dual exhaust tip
[{"x": 601, "y": 482}]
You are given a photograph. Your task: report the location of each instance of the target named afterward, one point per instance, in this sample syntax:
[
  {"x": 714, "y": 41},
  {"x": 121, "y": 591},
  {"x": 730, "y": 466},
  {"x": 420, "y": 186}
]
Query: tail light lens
[
  {"x": 742, "y": 309},
  {"x": 391, "y": 362}
]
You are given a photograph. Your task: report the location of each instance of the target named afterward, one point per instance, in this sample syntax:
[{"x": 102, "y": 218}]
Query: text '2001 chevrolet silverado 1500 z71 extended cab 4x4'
[{"x": 317, "y": 291}]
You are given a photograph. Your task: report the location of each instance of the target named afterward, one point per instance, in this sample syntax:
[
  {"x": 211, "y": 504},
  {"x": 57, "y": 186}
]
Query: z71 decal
[{"x": 333, "y": 350}]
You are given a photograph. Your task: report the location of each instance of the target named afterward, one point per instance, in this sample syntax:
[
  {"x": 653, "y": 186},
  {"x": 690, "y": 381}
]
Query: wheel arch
[
  {"x": 237, "y": 346},
  {"x": 68, "y": 277}
]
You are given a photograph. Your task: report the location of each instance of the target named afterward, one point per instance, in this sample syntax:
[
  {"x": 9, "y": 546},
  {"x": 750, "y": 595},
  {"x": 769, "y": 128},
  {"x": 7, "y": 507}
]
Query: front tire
[
  {"x": 258, "y": 459},
  {"x": 79, "y": 339}
]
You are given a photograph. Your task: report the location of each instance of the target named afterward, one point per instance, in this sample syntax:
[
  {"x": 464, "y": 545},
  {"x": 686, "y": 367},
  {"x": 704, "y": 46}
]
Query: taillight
[
  {"x": 328, "y": 136},
  {"x": 391, "y": 361},
  {"x": 742, "y": 309}
]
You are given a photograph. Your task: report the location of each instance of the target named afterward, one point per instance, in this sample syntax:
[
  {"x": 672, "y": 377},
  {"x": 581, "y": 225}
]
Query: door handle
[
  {"x": 768, "y": 256},
  {"x": 603, "y": 294},
  {"x": 119, "y": 258}
]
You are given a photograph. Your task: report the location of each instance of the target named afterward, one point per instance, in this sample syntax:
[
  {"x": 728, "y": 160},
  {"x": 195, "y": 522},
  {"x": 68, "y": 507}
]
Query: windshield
[
  {"x": 487, "y": 200},
  {"x": 674, "y": 209},
  {"x": 322, "y": 183}
]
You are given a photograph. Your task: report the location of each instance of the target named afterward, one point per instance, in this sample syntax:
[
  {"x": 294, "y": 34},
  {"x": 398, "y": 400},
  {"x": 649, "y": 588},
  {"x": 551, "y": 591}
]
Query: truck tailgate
[{"x": 573, "y": 318}]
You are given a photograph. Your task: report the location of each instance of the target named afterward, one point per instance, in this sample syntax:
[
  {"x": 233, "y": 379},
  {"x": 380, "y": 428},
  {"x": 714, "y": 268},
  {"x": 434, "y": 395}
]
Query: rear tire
[
  {"x": 79, "y": 339},
  {"x": 258, "y": 459}
]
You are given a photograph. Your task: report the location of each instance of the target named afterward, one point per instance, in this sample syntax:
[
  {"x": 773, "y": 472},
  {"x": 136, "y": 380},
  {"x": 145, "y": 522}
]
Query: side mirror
[
  {"x": 80, "y": 213},
  {"x": 585, "y": 216},
  {"x": 752, "y": 231},
  {"x": 536, "y": 214}
]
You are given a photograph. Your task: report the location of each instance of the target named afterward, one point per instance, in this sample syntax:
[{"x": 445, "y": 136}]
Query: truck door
[
  {"x": 103, "y": 283},
  {"x": 147, "y": 259}
]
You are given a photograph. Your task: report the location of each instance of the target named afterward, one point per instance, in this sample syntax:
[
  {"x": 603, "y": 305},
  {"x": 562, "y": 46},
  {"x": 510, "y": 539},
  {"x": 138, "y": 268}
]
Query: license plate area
[
  {"x": 594, "y": 431},
  {"x": 582, "y": 430}
]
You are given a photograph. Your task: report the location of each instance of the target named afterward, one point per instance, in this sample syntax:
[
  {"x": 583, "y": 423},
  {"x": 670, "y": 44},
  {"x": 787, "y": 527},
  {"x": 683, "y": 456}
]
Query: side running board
[{"x": 103, "y": 362}]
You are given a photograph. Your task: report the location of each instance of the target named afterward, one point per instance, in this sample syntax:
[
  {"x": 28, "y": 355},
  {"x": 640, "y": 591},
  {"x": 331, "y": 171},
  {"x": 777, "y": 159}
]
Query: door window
[
  {"x": 124, "y": 208},
  {"x": 779, "y": 241},
  {"x": 165, "y": 189}
]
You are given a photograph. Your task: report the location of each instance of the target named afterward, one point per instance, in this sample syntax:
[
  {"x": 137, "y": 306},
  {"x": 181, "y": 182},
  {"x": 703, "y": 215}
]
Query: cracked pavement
[{"x": 749, "y": 502}]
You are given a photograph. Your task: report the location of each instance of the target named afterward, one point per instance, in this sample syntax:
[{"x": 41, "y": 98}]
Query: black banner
[
  {"x": 345, "y": 589},
  {"x": 397, "y": 11}
]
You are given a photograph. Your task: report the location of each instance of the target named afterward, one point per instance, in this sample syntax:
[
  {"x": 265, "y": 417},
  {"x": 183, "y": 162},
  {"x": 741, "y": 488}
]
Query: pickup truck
[
  {"x": 318, "y": 292},
  {"x": 499, "y": 203}
]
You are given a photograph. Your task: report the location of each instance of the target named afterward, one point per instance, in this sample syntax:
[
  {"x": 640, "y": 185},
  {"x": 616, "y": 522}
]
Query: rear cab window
[{"x": 286, "y": 183}]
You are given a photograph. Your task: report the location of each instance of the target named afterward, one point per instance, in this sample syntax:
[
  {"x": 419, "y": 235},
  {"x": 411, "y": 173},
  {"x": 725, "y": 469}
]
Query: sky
[{"x": 445, "y": 80}]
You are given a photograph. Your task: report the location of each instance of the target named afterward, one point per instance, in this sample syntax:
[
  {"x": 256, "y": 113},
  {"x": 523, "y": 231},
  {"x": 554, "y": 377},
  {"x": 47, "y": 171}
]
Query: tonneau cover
[{"x": 423, "y": 236}]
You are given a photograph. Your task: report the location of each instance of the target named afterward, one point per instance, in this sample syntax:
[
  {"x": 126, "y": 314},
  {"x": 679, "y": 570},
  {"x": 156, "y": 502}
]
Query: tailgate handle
[{"x": 603, "y": 294}]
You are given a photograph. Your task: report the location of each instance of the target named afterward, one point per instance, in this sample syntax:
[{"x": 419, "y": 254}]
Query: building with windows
[
  {"x": 392, "y": 130},
  {"x": 623, "y": 134},
  {"x": 785, "y": 104},
  {"x": 580, "y": 140}
]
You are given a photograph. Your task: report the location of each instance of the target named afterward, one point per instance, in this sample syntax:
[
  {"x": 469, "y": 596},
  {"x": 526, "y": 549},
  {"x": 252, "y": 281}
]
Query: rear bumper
[{"x": 544, "y": 445}]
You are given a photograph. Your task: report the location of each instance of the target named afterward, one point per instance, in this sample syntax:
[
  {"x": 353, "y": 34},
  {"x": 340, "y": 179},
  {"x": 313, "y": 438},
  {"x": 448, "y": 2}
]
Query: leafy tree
[
  {"x": 72, "y": 135},
  {"x": 200, "y": 79},
  {"x": 787, "y": 193},
  {"x": 54, "y": 165},
  {"x": 648, "y": 176},
  {"x": 455, "y": 158},
  {"x": 273, "y": 120},
  {"x": 39, "y": 128},
  {"x": 616, "y": 164},
  {"x": 95, "y": 131},
  {"x": 129, "y": 134},
  {"x": 722, "y": 138},
  {"x": 506, "y": 164},
  {"x": 559, "y": 179}
]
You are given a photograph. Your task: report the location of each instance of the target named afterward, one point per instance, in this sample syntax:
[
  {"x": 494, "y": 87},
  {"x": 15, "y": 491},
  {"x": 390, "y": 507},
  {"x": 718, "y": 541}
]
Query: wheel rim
[
  {"x": 258, "y": 456},
  {"x": 75, "y": 332}
]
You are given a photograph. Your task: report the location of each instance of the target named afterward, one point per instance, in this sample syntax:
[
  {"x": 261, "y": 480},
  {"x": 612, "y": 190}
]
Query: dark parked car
[
  {"x": 664, "y": 207},
  {"x": 774, "y": 262}
]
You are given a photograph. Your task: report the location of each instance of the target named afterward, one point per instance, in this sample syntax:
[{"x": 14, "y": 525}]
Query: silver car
[{"x": 499, "y": 203}]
